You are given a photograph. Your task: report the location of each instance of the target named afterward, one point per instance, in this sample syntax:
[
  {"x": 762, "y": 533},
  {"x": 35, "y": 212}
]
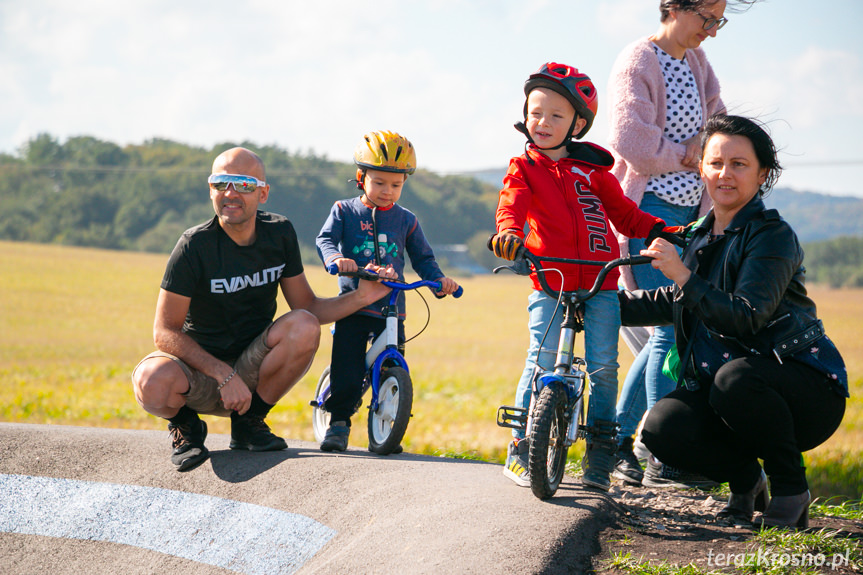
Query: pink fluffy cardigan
[{"x": 636, "y": 93}]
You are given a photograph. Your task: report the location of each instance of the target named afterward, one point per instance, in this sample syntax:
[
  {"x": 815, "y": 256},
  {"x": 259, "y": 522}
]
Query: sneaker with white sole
[
  {"x": 516, "y": 466},
  {"x": 188, "y": 443},
  {"x": 660, "y": 475}
]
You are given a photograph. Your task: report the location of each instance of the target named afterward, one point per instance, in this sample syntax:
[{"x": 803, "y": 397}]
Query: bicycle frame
[
  {"x": 385, "y": 346},
  {"x": 568, "y": 370}
]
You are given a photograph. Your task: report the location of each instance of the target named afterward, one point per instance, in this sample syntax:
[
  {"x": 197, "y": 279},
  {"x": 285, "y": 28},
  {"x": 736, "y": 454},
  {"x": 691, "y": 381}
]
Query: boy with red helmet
[
  {"x": 371, "y": 228},
  {"x": 564, "y": 192}
]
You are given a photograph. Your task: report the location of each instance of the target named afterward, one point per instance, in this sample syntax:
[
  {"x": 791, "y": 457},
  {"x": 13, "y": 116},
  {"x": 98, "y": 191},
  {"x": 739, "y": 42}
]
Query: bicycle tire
[
  {"x": 387, "y": 424},
  {"x": 320, "y": 416},
  {"x": 548, "y": 449}
]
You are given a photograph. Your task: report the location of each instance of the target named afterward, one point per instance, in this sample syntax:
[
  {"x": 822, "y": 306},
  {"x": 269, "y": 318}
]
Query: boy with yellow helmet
[{"x": 371, "y": 228}]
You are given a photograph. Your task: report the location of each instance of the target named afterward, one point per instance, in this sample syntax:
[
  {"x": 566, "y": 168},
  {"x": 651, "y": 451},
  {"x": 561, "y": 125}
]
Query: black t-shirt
[{"x": 233, "y": 288}]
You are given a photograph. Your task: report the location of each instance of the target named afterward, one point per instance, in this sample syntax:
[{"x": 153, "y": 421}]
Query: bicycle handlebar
[
  {"x": 392, "y": 284},
  {"x": 580, "y": 295}
]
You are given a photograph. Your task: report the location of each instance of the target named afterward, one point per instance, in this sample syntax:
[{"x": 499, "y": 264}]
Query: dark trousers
[
  {"x": 755, "y": 409},
  {"x": 348, "y": 363}
]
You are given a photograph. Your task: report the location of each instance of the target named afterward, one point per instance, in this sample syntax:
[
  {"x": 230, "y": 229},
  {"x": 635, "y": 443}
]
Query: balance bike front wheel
[
  {"x": 388, "y": 423},
  {"x": 548, "y": 449},
  {"x": 320, "y": 416}
]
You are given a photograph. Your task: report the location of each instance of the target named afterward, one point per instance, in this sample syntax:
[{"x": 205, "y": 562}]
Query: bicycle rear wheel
[
  {"x": 387, "y": 424},
  {"x": 548, "y": 449},
  {"x": 320, "y": 416}
]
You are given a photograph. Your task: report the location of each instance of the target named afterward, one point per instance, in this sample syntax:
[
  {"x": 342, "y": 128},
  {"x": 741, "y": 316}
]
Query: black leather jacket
[{"x": 747, "y": 287}]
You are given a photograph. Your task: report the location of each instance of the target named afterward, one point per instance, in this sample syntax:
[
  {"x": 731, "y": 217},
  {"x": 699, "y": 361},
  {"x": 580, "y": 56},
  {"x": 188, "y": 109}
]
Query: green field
[{"x": 74, "y": 322}]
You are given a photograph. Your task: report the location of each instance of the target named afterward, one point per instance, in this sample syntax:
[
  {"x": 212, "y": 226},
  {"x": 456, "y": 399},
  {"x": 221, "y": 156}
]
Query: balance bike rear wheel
[{"x": 320, "y": 416}]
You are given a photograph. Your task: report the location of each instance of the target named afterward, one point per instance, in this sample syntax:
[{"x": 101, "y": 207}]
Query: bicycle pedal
[{"x": 512, "y": 417}]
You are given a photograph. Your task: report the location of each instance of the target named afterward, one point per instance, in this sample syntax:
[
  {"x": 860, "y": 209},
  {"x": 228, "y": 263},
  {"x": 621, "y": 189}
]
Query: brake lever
[
  {"x": 674, "y": 238},
  {"x": 519, "y": 266}
]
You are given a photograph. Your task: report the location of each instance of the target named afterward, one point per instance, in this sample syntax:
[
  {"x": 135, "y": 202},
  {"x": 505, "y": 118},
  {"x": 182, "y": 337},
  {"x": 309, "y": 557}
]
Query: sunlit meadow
[{"x": 74, "y": 322}]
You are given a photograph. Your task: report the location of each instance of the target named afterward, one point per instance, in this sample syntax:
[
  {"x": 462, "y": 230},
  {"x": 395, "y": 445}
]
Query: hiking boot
[
  {"x": 516, "y": 466},
  {"x": 336, "y": 438},
  {"x": 188, "y": 443},
  {"x": 250, "y": 432},
  {"x": 599, "y": 456},
  {"x": 628, "y": 468},
  {"x": 660, "y": 475}
]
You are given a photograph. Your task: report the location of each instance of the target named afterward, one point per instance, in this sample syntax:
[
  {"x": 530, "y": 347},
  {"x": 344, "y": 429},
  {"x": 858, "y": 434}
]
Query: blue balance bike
[{"x": 387, "y": 375}]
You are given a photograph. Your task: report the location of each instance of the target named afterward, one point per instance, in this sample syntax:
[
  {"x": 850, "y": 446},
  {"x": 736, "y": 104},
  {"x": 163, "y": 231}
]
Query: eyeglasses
[
  {"x": 242, "y": 184},
  {"x": 709, "y": 23}
]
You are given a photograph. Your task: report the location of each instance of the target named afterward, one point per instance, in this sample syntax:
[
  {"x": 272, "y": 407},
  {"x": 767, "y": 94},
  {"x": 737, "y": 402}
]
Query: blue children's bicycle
[
  {"x": 387, "y": 375},
  {"x": 555, "y": 418}
]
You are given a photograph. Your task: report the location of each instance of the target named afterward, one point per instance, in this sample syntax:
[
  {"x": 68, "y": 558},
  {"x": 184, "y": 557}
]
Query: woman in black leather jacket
[{"x": 757, "y": 376}]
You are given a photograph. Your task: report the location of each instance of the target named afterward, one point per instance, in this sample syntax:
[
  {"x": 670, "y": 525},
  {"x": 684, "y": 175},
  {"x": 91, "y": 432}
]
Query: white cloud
[{"x": 447, "y": 73}]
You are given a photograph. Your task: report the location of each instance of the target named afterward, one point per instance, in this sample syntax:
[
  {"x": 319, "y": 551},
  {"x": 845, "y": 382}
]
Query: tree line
[
  {"x": 89, "y": 192},
  {"x": 837, "y": 262}
]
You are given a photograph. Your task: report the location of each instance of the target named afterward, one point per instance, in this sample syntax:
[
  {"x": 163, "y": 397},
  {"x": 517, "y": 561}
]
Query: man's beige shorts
[{"x": 203, "y": 395}]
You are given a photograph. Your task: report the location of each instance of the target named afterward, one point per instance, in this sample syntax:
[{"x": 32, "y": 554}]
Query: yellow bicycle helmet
[{"x": 386, "y": 151}]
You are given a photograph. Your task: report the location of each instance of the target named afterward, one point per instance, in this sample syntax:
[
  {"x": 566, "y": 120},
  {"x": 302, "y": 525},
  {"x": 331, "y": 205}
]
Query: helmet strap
[
  {"x": 521, "y": 127},
  {"x": 360, "y": 179}
]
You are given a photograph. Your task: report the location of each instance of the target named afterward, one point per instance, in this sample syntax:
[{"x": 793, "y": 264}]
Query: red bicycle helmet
[{"x": 573, "y": 85}]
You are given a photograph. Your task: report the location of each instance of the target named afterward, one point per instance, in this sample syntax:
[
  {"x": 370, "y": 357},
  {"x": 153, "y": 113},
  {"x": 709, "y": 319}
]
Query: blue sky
[{"x": 448, "y": 74}]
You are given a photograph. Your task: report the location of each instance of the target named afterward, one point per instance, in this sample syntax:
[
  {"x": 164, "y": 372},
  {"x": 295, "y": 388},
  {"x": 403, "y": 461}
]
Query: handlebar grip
[
  {"x": 458, "y": 293},
  {"x": 333, "y": 269},
  {"x": 638, "y": 260},
  {"x": 362, "y": 274}
]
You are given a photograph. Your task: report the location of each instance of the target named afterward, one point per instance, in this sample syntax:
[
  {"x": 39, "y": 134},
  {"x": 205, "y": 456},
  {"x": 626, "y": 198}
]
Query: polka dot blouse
[{"x": 682, "y": 121}]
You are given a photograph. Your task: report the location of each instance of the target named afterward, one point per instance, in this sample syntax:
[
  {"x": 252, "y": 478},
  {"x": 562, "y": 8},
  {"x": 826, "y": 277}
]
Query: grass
[
  {"x": 74, "y": 322},
  {"x": 624, "y": 561},
  {"x": 771, "y": 551}
]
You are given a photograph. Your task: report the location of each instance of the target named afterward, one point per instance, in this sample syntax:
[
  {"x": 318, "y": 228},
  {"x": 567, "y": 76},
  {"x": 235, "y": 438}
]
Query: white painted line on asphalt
[{"x": 238, "y": 536}]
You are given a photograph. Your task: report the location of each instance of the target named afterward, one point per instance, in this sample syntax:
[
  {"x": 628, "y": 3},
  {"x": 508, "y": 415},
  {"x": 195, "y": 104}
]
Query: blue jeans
[
  {"x": 645, "y": 384},
  {"x": 601, "y": 329}
]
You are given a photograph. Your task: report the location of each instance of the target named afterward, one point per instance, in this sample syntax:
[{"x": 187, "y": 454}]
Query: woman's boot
[
  {"x": 741, "y": 506},
  {"x": 787, "y": 511}
]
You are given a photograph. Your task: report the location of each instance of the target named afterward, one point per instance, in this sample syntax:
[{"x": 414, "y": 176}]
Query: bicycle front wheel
[
  {"x": 388, "y": 423},
  {"x": 548, "y": 449}
]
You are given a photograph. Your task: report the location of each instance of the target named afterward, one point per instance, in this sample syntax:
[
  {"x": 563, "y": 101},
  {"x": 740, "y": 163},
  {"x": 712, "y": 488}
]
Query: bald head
[{"x": 239, "y": 161}]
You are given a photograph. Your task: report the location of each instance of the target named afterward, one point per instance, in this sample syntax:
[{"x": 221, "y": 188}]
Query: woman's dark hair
[
  {"x": 666, "y": 6},
  {"x": 765, "y": 150}
]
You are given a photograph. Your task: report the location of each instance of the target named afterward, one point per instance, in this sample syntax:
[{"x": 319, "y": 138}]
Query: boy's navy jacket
[
  {"x": 570, "y": 206},
  {"x": 348, "y": 233}
]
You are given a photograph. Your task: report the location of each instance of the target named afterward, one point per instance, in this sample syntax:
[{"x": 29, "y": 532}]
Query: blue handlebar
[{"x": 396, "y": 285}]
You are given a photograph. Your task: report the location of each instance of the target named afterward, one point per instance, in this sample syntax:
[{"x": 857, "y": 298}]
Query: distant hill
[
  {"x": 817, "y": 217},
  {"x": 814, "y": 216}
]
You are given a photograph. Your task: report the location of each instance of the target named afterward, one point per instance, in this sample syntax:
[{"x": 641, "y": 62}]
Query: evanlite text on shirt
[{"x": 235, "y": 284}]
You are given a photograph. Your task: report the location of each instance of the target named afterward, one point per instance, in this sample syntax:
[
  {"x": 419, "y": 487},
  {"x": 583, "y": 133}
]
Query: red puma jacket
[{"x": 567, "y": 206}]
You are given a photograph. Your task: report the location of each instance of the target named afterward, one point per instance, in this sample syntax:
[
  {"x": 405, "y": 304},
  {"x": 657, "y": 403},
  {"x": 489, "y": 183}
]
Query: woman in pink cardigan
[{"x": 662, "y": 90}]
